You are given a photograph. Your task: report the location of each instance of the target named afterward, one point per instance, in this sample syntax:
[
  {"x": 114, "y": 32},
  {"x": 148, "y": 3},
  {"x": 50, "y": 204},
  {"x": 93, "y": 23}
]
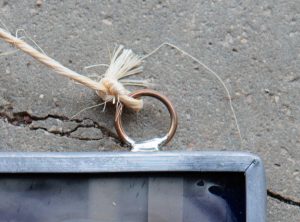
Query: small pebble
[
  {"x": 7, "y": 70},
  {"x": 107, "y": 22},
  {"x": 244, "y": 41},
  {"x": 39, "y": 2},
  {"x": 267, "y": 91},
  {"x": 276, "y": 99},
  {"x": 188, "y": 117},
  {"x": 55, "y": 129}
]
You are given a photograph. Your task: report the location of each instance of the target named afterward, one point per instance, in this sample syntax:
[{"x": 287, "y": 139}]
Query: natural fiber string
[{"x": 124, "y": 63}]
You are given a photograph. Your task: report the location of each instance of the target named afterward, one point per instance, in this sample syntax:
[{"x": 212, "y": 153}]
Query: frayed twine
[{"x": 124, "y": 63}]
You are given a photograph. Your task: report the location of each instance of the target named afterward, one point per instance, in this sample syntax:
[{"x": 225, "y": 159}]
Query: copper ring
[{"x": 147, "y": 92}]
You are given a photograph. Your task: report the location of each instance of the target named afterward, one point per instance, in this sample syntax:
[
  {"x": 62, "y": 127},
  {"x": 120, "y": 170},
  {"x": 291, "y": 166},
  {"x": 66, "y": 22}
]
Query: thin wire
[
  {"x": 211, "y": 71},
  {"x": 91, "y": 107},
  {"x": 8, "y": 53},
  {"x": 27, "y": 36},
  {"x": 96, "y": 65},
  {"x": 2, "y": 23}
]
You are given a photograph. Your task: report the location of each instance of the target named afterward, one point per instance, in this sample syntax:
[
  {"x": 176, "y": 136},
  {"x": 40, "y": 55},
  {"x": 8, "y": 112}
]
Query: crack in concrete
[
  {"x": 25, "y": 119},
  {"x": 68, "y": 133},
  {"x": 282, "y": 198}
]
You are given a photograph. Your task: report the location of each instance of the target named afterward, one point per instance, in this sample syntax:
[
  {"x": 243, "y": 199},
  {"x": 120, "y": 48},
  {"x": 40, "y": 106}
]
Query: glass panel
[{"x": 172, "y": 197}]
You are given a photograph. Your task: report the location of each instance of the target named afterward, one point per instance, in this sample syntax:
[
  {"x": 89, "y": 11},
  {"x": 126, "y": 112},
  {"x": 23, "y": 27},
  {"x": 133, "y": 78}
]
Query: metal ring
[{"x": 153, "y": 144}]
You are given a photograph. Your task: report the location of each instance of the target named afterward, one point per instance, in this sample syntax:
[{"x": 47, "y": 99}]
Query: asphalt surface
[{"x": 253, "y": 45}]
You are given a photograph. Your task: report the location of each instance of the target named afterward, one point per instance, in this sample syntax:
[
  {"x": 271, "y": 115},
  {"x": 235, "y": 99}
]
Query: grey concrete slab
[
  {"x": 280, "y": 212},
  {"x": 254, "y": 46}
]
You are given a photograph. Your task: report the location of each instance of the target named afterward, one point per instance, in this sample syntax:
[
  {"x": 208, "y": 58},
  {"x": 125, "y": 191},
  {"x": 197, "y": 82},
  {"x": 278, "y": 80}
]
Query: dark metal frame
[{"x": 117, "y": 162}]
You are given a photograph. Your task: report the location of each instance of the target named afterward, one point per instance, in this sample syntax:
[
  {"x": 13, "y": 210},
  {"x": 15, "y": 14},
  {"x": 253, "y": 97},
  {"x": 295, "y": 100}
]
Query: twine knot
[
  {"x": 123, "y": 63},
  {"x": 111, "y": 90}
]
